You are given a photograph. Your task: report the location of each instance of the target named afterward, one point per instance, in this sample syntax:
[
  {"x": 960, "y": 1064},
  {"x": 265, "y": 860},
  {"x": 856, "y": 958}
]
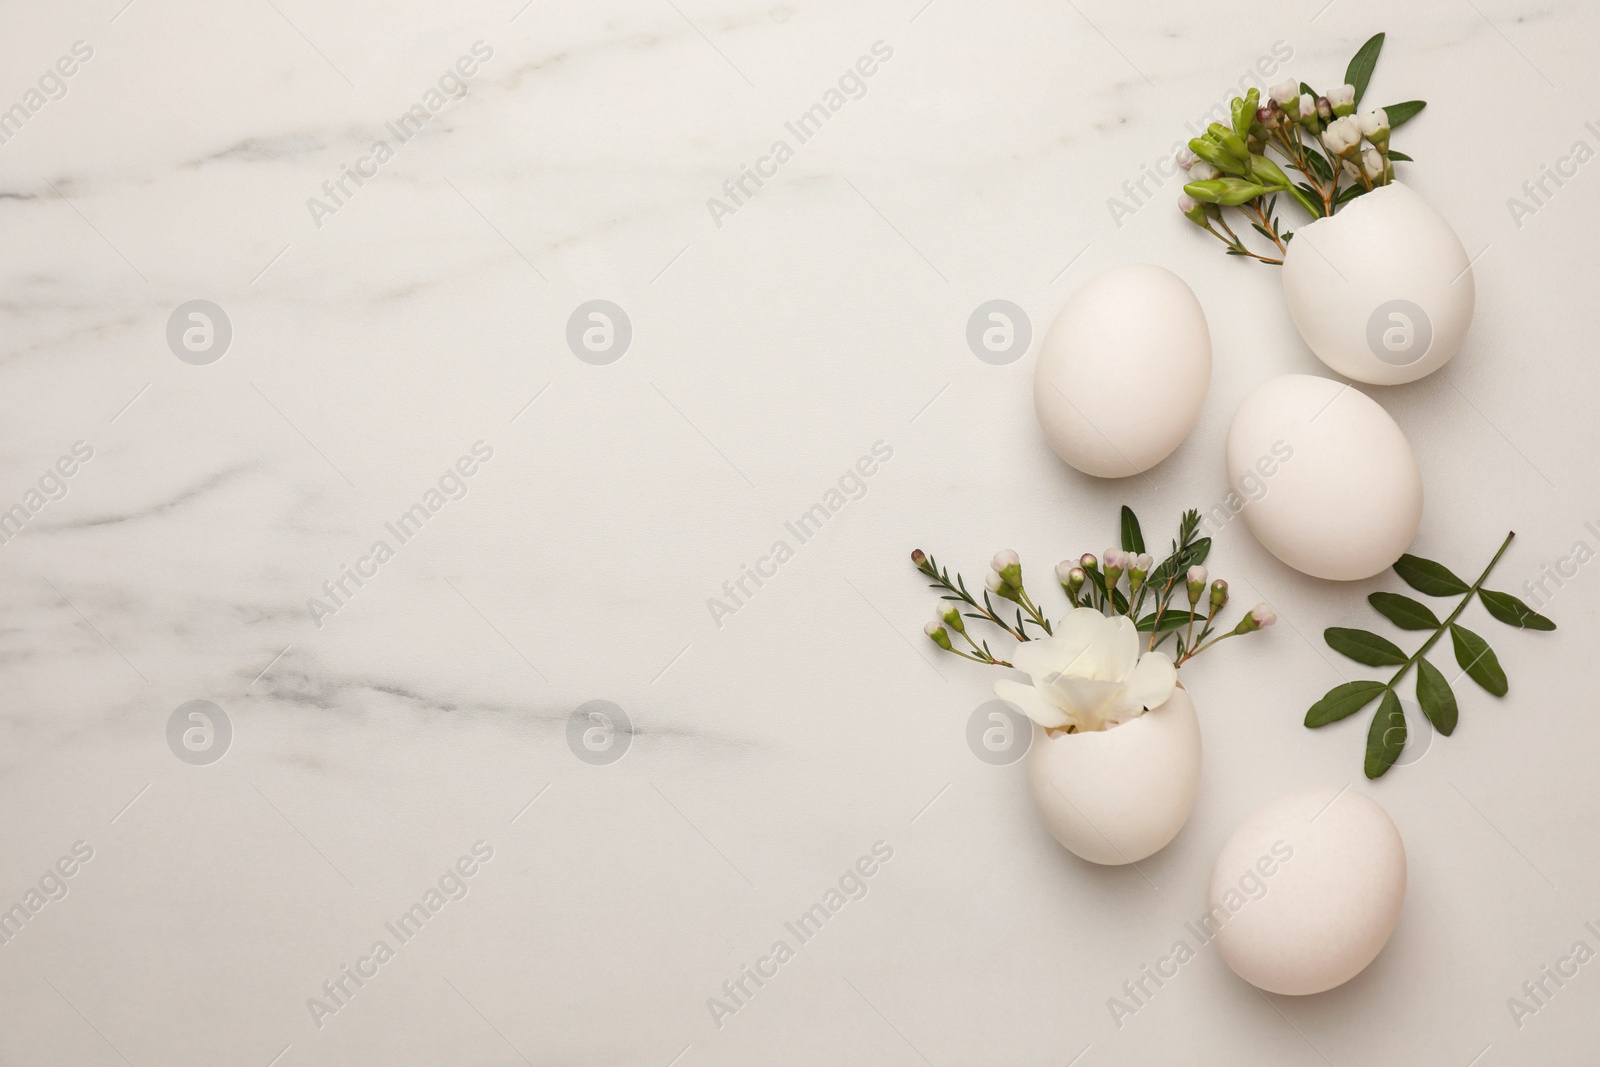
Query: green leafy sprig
[
  {"x": 1338, "y": 156},
  {"x": 1386, "y": 737},
  {"x": 1127, "y": 581}
]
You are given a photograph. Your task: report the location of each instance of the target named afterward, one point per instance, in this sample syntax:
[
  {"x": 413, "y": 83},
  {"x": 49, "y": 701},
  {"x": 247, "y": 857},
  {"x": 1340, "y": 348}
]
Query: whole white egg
[
  {"x": 1307, "y": 891},
  {"x": 1323, "y": 477},
  {"x": 1123, "y": 371}
]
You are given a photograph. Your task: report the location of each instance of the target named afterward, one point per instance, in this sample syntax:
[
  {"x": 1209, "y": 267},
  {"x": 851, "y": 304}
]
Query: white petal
[
  {"x": 1150, "y": 683},
  {"x": 1086, "y": 699},
  {"x": 1119, "y": 649},
  {"x": 1029, "y": 701},
  {"x": 1073, "y": 634}
]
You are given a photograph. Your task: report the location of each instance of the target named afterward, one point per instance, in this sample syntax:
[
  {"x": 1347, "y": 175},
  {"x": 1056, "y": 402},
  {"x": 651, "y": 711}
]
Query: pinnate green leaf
[
  {"x": 1478, "y": 660},
  {"x": 1364, "y": 646},
  {"x": 1386, "y": 738},
  {"x": 1426, "y": 576},
  {"x": 1512, "y": 611},
  {"x": 1404, "y": 612},
  {"x": 1343, "y": 700},
  {"x": 1437, "y": 699}
]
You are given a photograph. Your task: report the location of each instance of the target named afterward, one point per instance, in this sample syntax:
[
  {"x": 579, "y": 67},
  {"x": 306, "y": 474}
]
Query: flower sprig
[
  {"x": 1386, "y": 737},
  {"x": 1123, "y": 581},
  {"x": 1337, "y": 154}
]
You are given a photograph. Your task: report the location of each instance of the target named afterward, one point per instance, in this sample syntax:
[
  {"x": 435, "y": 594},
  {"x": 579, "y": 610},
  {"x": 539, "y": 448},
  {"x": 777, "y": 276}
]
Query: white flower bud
[
  {"x": 1373, "y": 122},
  {"x": 1003, "y": 559},
  {"x": 1263, "y": 615},
  {"x": 1342, "y": 136},
  {"x": 1372, "y": 163},
  {"x": 1143, "y": 562},
  {"x": 1308, "y": 106},
  {"x": 1343, "y": 96},
  {"x": 1064, "y": 570},
  {"x": 1203, "y": 171},
  {"x": 1186, "y": 158},
  {"x": 1286, "y": 91}
]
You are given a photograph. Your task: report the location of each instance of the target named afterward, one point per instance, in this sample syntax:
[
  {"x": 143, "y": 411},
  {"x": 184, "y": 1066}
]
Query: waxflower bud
[
  {"x": 1324, "y": 110},
  {"x": 919, "y": 558},
  {"x": 1269, "y": 117},
  {"x": 1008, "y": 566},
  {"x": 1192, "y": 209},
  {"x": 1260, "y": 617},
  {"x": 1342, "y": 137},
  {"x": 997, "y": 584},
  {"x": 1285, "y": 91},
  {"x": 1088, "y": 562},
  {"x": 950, "y": 615},
  {"x": 1203, "y": 171},
  {"x": 1343, "y": 100},
  {"x": 1306, "y": 111},
  {"x": 938, "y": 635},
  {"x": 1075, "y": 579},
  {"x": 1373, "y": 164},
  {"x": 1196, "y": 584},
  {"x": 1219, "y": 596},
  {"x": 1186, "y": 158},
  {"x": 1138, "y": 568},
  {"x": 1375, "y": 127},
  {"x": 1115, "y": 565}
]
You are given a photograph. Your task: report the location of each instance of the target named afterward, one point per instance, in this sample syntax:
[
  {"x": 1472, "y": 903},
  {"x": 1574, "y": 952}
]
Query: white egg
[
  {"x": 1116, "y": 796},
  {"x": 1382, "y": 290},
  {"x": 1307, "y": 891},
  {"x": 1123, "y": 371},
  {"x": 1323, "y": 477}
]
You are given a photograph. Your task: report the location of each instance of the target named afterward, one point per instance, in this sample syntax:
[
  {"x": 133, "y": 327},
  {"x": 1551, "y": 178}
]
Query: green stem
[{"x": 1454, "y": 615}]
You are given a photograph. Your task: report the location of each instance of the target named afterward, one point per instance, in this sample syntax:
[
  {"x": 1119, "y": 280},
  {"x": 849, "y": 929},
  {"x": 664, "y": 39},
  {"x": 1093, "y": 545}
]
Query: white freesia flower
[{"x": 1089, "y": 675}]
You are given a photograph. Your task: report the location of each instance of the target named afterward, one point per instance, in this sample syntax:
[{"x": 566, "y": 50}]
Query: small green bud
[
  {"x": 1196, "y": 582},
  {"x": 1268, "y": 173},
  {"x": 938, "y": 635},
  {"x": 1213, "y": 154},
  {"x": 1219, "y": 596},
  {"x": 950, "y": 615},
  {"x": 1229, "y": 192},
  {"x": 1232, "y": 143}
]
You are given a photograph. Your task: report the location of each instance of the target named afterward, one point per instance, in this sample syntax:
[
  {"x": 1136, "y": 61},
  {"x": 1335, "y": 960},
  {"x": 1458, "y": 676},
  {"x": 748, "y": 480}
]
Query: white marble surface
[{"x": 769, "y": 353}]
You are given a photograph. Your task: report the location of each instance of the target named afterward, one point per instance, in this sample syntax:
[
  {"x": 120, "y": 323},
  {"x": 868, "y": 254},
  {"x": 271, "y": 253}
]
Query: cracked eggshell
[
  {"x": 1123, "y": 371},
  {"x": 1117, "y": 796},
  {"x": 1382, "y": 291},
  {"x": 1306, "y": 892},
  {"x": 1324, "y": 478}
]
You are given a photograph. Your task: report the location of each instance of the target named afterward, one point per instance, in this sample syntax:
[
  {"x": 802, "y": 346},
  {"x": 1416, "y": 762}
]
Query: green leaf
[
  {"x": 1513, "y": 612},
  {"x": 1403, "y": 112},
  {"x": 1343, "y": 700},
  {"x": 1437, "y": 700},
  {"x": 1386, "y": 738},
  {"x": 1363, "y": 646},
  {"x": 1350, "y": 192},
  {"x": 1132, "y": 538},
  {"x": 1426, "y": 576},
  {"x": 1400, "y": 157},
  {"x": 1304, "y": 88},
  {"x": 1359, "y": 72},
  {"x": 1170, "y": 620},
  {"x": 1478, "y": 660},
  {"x": 1180, "y": 561},
  {"x": 1319, "y": 163},
  {"x": 1404, "y": 612}
]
